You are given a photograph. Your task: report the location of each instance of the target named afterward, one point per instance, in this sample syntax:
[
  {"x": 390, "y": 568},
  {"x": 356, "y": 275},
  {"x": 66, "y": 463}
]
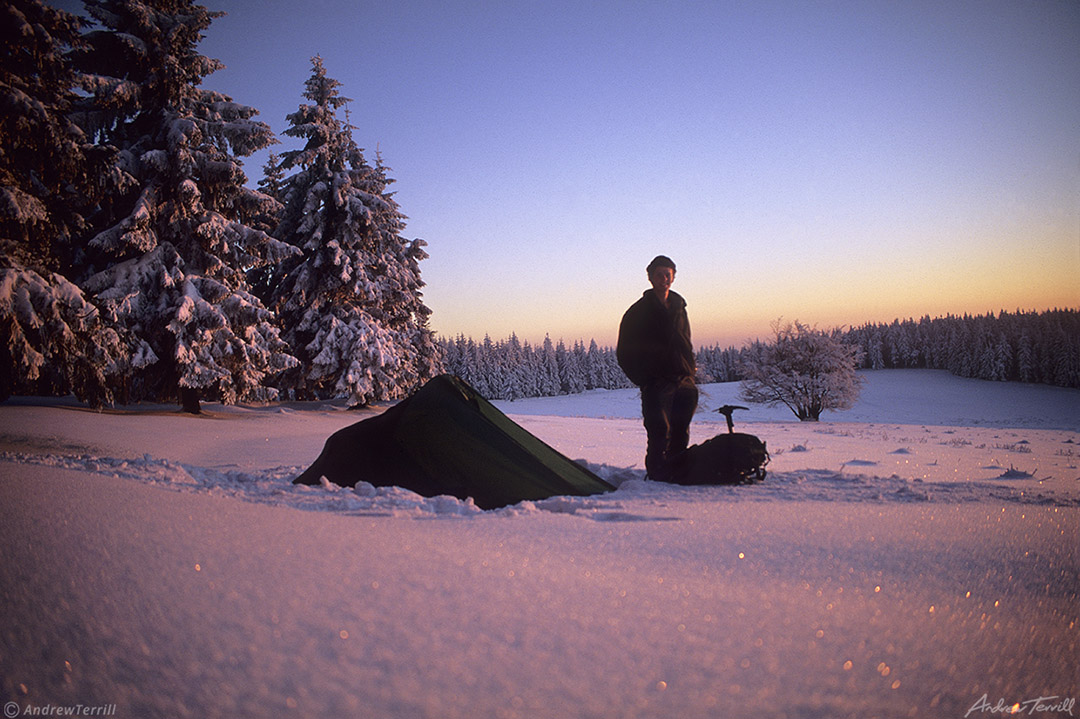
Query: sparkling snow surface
[{"x": 918, "y": 555}]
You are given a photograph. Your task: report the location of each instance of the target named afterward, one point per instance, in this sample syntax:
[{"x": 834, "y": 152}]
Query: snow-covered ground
[{"x": 916, "y": 556}]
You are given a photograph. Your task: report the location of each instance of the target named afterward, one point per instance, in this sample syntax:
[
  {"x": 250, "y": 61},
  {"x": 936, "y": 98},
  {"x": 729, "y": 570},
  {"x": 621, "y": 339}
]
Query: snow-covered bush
[{"x": 805, "y": 369}]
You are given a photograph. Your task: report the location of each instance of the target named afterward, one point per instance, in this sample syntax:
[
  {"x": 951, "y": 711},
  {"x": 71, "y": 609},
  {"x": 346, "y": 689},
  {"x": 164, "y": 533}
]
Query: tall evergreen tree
[
  {"x": 549, "y": 370},
  {"x": 43, "y": 173},
  {"x": 172, "y": 238},
  {"x": 52, "y": 339},
  {"x": 352, "y": 305}
]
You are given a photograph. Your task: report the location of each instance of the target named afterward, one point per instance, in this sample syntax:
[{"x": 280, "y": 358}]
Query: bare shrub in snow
[{"x": 803, "y": 368}]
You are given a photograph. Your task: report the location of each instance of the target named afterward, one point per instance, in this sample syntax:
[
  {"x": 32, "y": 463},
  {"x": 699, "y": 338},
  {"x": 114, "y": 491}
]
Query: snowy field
[{"x": 916, "y": 556}]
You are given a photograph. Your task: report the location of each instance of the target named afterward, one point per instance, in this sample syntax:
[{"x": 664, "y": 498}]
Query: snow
[{"x": 913, "y": 556}]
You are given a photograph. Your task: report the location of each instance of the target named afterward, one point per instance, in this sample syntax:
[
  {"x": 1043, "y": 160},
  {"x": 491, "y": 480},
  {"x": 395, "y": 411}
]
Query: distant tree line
[
  {"x": 1040, "y": 347},
  {"x": 512, "y": 369},
  {"x": 1034, "y": 347}
]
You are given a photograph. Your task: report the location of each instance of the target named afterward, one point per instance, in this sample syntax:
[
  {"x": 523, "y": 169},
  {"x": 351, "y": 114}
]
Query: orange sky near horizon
[{"x": 730, "y": 307}]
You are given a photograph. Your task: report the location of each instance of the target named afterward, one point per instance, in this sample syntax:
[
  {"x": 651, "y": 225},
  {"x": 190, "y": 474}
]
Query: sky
[{"x": 835, "y": 163}]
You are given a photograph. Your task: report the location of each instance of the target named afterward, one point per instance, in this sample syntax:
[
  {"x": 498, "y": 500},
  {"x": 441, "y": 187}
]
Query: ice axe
[{"x": 726, "y": 410}]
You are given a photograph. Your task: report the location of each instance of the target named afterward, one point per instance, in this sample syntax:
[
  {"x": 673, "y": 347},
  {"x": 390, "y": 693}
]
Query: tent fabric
[{"x": 447, "y": 439}]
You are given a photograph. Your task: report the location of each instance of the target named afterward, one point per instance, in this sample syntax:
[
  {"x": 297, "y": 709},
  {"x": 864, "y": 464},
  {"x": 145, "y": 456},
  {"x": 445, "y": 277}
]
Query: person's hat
[{"x": 660, "y": 261}]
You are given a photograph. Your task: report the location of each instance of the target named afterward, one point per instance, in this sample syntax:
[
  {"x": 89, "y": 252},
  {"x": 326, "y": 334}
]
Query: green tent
[{"x": 447, "y": 439}]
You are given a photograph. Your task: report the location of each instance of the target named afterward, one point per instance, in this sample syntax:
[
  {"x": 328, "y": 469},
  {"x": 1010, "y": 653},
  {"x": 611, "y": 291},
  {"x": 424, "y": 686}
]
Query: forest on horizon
[{"x": 1033, "y": 347}]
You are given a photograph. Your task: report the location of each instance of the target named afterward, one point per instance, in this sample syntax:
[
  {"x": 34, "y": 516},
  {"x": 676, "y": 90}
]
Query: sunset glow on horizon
[{"x": 837, "y": 163}]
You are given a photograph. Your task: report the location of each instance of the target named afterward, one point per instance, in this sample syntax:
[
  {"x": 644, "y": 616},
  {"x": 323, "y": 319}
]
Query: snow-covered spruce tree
[
  {"x": 806, "y": 370},
  {"x": 267, "y": 212},
  {"x": 351, "y": 306},
  {"x": 571, "y": 367},
  {"x": 43, "y": 170},
  {"x": 273, "y": 179},
  {"x": 51, "y": 339},
  {"x": 262, "y": 278},
  {"x": 549, "y": 370},
  {"x": 173, "y": 238}
]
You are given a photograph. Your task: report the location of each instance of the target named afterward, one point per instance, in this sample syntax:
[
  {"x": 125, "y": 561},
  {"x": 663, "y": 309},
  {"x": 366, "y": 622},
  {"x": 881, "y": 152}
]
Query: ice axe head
[{"x": 726, "y": 410}]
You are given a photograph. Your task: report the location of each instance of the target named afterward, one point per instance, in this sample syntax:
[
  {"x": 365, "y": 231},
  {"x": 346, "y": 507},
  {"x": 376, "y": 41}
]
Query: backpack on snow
[{"x": 732, "y": 458}]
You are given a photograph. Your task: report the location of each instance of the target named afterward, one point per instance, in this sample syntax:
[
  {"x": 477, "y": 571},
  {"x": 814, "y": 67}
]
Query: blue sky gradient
[{"x": 831, "y": 162}]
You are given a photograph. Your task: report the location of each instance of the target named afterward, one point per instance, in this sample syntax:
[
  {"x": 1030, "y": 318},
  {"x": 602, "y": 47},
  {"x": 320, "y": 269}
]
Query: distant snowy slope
[{"x": 892, "y": 396}]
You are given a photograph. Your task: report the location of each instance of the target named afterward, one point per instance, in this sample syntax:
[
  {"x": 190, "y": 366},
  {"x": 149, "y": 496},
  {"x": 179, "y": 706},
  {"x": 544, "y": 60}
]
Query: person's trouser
[{"x": 667, "y": 408}]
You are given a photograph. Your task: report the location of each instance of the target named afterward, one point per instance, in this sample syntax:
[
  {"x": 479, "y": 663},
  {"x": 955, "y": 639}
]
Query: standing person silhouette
[{"x": 655, "y": 352}]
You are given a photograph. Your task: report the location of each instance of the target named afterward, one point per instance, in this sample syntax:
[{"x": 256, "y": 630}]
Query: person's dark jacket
[{"x": 654, "y": 341}]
